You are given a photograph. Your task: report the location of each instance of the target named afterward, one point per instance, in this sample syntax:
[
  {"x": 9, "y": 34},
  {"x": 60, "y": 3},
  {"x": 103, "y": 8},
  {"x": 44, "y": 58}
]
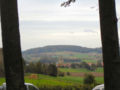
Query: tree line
[
  {"x": 84, "y": 65},
  {"x": 41, "y": 68}
]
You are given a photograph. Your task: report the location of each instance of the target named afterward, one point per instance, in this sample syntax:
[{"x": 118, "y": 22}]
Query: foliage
[
  {"x": 85, "y": 65},
  {"x": 67, "y": 3},
  {"x": 52, "y": 70},
  {"x": 82, "y": 65},
  {"x": 89, "y": 79},
  {"x": 68, "y": 73},
  {"x": 93, "y": 67},
  {"x": 40, "y": 68}
]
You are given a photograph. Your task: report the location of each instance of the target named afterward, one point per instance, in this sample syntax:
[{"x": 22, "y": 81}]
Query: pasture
[
  {"x": 45, "y": 80},
  {"x": 71, "y": 82},
  {"x": 81, "y": 70}
]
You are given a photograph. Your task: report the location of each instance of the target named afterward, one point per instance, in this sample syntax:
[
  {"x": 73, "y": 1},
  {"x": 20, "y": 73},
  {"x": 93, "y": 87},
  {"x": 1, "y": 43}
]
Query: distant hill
[
  {"x": 67, "y": 52},
  {"x": 61, "y": 48}
]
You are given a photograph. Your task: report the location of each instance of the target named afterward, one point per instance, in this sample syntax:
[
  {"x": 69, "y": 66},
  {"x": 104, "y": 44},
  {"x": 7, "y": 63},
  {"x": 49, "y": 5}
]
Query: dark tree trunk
[
  {"x": 110, "y": 44},
  {"x": 11, "y": 45}
]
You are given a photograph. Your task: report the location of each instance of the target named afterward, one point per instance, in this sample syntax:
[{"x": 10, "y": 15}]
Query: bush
[
  {"x": 68, "y": 73},
  {"x": 89, "y": 79},
  {"x": 40, "y": 68},
  {"x": 52, "y": 70}
]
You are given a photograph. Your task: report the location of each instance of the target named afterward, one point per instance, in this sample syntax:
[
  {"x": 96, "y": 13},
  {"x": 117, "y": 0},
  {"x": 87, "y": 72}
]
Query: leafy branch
[{"x": 67, "y": 3}]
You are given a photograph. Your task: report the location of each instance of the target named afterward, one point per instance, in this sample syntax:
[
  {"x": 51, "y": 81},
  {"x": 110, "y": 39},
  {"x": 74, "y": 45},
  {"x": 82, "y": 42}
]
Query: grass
[
  {"x": 99, "y": 80},
  {"x": 73, "y": 70},
  {"x": 76, "y": 80},
  {"x": 99, "y": 70},
  {"x": 79, "y": 70},
  {"x": 49, "y": 81},
  {"x": 66, "y": 80},
  {"x": 2, "y": 80},
  {"x": 45, "y": 80}
]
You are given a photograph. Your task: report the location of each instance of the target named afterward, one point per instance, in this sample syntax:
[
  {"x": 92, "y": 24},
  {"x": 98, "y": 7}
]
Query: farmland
[
  {"x": 70, "y": 54},
  {"x": 45, "y": 81},
  {"x": 48, "y": 81},
  {"x": 75, "y": 79},
  {"x": 79, "y": 70}
]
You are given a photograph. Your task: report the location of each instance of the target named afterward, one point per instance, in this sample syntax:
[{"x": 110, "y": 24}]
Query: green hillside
[
  {"x": 61, "y": 48},
  {"x": 69, "y": 53}
]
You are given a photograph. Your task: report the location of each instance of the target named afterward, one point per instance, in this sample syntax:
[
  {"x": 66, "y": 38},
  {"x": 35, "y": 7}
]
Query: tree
[
  {"x": 39, "y": 67},
  {"x": 110, "y": 44},
  {"x": 11, "y": 45},
  {"x": 89, "y": 79},
  {"x": 93, "y": 67},
  {"x": 52, "y": 70},
  {"x": 85, "y": 65}
]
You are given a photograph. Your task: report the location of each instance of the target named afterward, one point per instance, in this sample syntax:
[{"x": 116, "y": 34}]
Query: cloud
[
  {"x": 89, "y": 30},
  {"x": 44, "y": 22},
  {"x": 40, "y": 10},
  {"x": 37, "y": 39}
]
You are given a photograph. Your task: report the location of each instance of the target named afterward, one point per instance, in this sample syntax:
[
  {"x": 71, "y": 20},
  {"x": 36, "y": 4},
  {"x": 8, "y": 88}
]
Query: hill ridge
[{"x": 55, "y": 48}]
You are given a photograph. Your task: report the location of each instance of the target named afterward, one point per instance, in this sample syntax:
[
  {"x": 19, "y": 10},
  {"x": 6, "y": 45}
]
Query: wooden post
[
  {"x": 110, "y": 44},
  {"x": 11, "y": 45}
]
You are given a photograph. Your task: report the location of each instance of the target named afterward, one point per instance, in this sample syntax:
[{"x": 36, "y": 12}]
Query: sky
[{"x": 45, "y": 22}]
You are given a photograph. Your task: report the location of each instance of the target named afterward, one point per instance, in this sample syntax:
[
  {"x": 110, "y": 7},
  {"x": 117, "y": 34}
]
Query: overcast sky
[{"x": 44, "y": 22}]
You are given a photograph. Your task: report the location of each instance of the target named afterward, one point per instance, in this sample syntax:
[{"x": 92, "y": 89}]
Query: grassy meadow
[
  {"x": 80, "y": 70},
  {"x": 45, "y": 81}
]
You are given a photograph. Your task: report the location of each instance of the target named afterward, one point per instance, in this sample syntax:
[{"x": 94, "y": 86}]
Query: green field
[
  {"x": 86, "y": 57},
  {"x": 99, "y": 70},
  {"x": 45, "y": 80},
  {"x": 73, "y": 70},
  {"x": 2, "y": 80},
  {"x": 79, "y": 70}
]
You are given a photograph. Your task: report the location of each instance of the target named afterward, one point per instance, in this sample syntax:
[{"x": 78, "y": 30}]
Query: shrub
[
  {"x": 68, "y": 73},
  {"x": 52, "y": 70},
  {"x": 89, "y": 79}
]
